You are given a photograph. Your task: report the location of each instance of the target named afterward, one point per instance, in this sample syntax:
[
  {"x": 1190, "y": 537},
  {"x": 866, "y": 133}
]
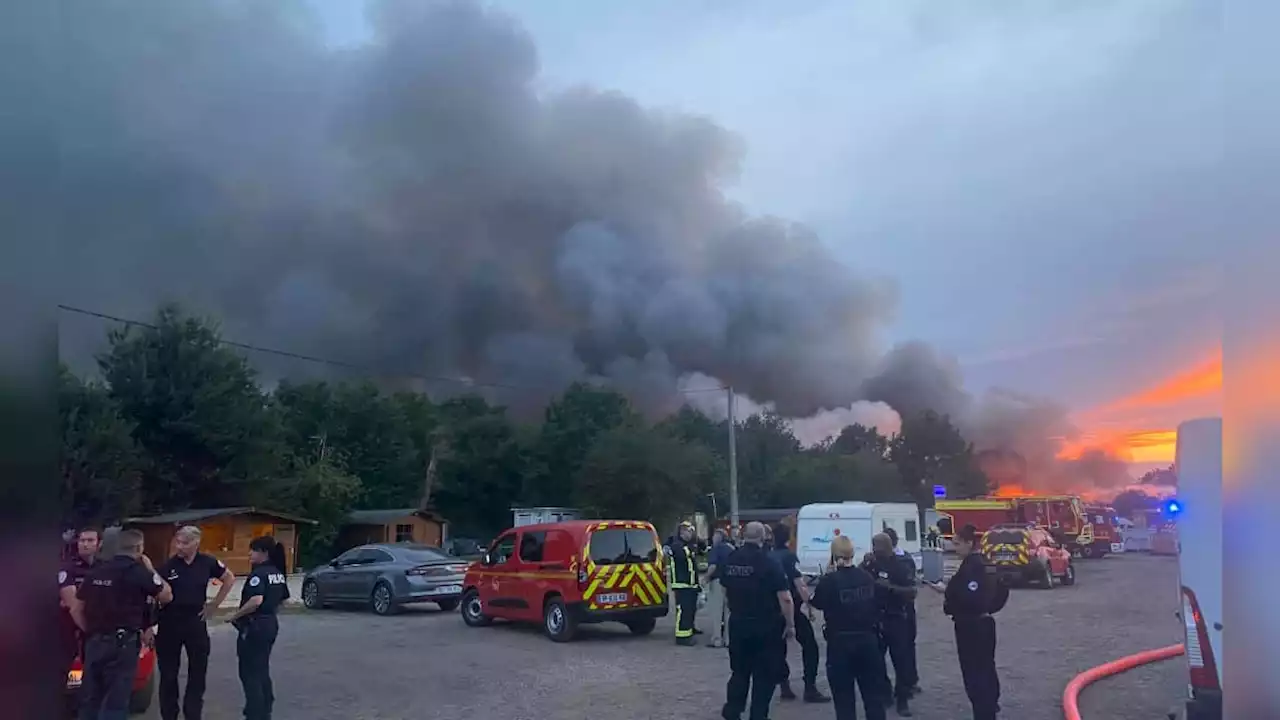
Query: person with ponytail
[{"x": 264, "y": 591}]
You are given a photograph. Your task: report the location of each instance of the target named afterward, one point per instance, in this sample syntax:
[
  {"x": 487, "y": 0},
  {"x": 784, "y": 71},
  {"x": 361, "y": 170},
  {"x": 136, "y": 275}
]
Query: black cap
[{"x": 968, "y": 533}]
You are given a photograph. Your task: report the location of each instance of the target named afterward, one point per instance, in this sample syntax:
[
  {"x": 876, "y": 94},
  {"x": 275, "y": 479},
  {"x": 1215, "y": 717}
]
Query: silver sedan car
[{"x": 385, "y": 576}]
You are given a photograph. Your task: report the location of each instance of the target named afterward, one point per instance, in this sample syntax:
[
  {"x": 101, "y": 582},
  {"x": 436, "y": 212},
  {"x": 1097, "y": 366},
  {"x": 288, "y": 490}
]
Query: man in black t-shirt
[
  {"x": 804, "y": 629},
  {"x": 183, "y": 622},
  {"x": 760, "y": 622}
]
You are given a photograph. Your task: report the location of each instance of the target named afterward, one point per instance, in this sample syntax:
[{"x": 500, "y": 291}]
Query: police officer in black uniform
[
  {"x": 804, "y": 629},
  {"x": 87, "y": 543},
  {"x": 684, "y": 583},
  {"x": 113, "y": 609},
  {"x": 182, "y": 623},
  {"x": 264, "y": 591},
  {"x": 851, "y": 612},
  {"x": 971, "y": 597},
  {"x": 761, "y": 620},
  {"x": 909, "y": 568},
  {"x": 894, "y": 590}
]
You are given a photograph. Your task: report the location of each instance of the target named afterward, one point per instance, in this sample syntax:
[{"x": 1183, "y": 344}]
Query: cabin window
[
  {"x": 911, "y": 531},
  {"x": 217, "y": 537},
  {"x": 404, "y": 533}
]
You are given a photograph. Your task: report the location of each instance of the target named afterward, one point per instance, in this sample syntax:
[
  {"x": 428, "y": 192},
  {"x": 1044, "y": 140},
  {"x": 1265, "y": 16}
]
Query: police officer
[
  {"x": 782, "y": 554},
  {"x": 182, "y": 622},
  {"x": 87, "y": 543},
  {"x": 846, "y": 595},
  {"x": 684, "y": 583},
  {"x": 894, "y": 590},
  {"x": 972, "y": 595},
  {"x": 761, "y": 620},
  {"x": 262, "y": 595},
  {"x": 909, "y": 569},
  {"x": 112, "y": 608}
]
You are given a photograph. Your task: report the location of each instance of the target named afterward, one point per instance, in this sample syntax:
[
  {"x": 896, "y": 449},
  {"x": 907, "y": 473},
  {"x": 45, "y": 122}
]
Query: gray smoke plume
[{"x": 416, "y": 205}]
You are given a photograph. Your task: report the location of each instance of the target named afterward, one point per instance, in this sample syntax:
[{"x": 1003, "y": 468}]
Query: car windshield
[
  {"x": 423, "y": 555},
  {"x": 620, "y": 546},
  {"x": 1006, "y": 537}
]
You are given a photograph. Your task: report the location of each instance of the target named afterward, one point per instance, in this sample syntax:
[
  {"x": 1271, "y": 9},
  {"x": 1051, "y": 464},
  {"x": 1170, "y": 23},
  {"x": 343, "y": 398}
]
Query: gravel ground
[{"x": 424, "y": 664}]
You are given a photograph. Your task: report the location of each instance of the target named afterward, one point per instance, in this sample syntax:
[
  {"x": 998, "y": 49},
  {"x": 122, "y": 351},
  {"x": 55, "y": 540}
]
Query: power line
[{"x": 351, "y": 366}]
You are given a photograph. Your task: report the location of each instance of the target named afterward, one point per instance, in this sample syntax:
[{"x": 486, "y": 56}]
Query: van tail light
[{"x": 1200, "y": 660}]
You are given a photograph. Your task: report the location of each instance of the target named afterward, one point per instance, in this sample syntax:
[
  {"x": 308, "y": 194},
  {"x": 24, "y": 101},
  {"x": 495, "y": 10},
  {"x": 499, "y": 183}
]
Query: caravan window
[{"x": 910, "y": 535}]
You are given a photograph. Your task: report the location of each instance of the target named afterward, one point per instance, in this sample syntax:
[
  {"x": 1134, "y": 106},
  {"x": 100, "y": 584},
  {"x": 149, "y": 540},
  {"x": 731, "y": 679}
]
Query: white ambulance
[{"x": 818, "y": 524}]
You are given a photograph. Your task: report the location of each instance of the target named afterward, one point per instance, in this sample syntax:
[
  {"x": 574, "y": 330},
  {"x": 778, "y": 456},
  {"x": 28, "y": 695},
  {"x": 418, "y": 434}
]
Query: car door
[
  {"x": 369, "y": 565},
  {"x": 330, "y": 580},
  {"x": 497, "y": 584}
]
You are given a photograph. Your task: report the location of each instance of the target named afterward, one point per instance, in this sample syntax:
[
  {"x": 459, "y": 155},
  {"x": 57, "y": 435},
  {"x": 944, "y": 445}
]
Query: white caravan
[
  {"x": 818, "y": 524},
  {"x": 1198, "y": 512}
]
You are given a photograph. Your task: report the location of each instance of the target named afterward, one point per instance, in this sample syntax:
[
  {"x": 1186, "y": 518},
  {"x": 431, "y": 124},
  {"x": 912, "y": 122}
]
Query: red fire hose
[{"x": 1071, "y": 696}]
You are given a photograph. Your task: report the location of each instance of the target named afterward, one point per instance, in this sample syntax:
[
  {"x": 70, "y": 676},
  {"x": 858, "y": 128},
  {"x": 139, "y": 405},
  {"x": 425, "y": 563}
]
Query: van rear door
[{"x": 622, "y": 568}]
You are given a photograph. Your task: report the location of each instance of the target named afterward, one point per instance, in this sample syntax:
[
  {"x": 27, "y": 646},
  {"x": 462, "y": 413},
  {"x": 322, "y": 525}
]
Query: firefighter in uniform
[
  {"x": 182, "y": 623},
  {"x": 684, "y": 583},
  {"x": 971, "y": 597},
  {"x": 782, "y": 554},
  {"x": 113, "y": 608},
  {"x": 894, "y": 590},
  {"x": 761, "y": 620},
  {"x": 70, "y": 576},
  {"x": 909, "y": 569},
  {"x": 256, "y": 622},
  {"x": 846, "y": 595}
]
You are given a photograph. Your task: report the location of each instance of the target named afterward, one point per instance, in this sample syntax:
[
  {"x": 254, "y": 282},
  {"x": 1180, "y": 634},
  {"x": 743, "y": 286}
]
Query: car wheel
[
  {"x": 642, "y": 626},
  {"x": 557, "y": 622},
  {"x": 311, "y": 595},
  {"x": 472, "y": 611},
  {"x": 1069, "y": 578},
  {"x": 381, "y": 601},
  {"x": 448, "y": 605},
  {"x": 140, "y": 699}
]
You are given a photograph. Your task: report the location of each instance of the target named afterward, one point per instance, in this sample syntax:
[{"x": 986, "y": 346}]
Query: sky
[{"x": 1035, "y": 181}]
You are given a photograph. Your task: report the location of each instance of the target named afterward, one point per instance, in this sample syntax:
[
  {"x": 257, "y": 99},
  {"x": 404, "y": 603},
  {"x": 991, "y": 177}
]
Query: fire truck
[
  {"x": 1106, "y": 531},
  {"x": 1062, "y": 515}
]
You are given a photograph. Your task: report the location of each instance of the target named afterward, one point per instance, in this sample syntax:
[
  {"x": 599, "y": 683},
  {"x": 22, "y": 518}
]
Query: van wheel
[
  {"x": 140, "y": 700},
  {"x": 557, "y": 622},
  {"x": 1069, "y": 578},
  {"x": 641, "y": 626},
  {"x": 472, "y": 611},
  {"x": 380, "y": 601}
]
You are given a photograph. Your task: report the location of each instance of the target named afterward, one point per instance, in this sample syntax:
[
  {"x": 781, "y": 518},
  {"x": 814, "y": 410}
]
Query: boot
[
  {"x": 902, "y": 708},
  {"x": 686, "y": 641},
  {"x": 813, "y": 695},
  {"x": 786, "y": 692}
]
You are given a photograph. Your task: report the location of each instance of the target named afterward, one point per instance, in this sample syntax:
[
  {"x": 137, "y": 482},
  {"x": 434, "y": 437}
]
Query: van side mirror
[
  {"x": 486, "y": 559},
  {"x": 335, "y": 564}
]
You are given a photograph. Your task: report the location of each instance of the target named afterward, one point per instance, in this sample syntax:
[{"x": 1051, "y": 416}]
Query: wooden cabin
[
  {"x": 407, "y": 525},
  {"x": 225, "y": 533}
]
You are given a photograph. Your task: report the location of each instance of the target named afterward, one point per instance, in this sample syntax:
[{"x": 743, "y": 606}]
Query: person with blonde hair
[{"x": 846, "y": 595}]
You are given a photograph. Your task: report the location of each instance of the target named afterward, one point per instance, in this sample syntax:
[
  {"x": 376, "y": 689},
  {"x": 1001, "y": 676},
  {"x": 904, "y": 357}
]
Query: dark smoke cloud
[{"x": 416, "y": 205}]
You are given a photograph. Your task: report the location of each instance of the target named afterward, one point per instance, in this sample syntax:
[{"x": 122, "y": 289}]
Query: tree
[
  {"x": 196, "y": 410},
  {"x": 573, "y": 421},
  {"x": 641, "y": 473},
  {"x": 821, "y": 476},
  {"x": 929, "y": 450},
  {"x": 856, "y": 438},
  {"x": 319, "y": 489},
  {"x": 102, "y": 468},
  {"x": 1165, "y": 477},
  {"x": 482, "y": 475},
  {"x": 1130, "y": 502},
  {"x": 765, "y": 441}
]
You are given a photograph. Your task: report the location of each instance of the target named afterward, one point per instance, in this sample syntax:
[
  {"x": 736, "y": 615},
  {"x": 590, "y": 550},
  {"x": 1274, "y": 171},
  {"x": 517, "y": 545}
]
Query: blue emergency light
[{"x": 1172, "y": 507}]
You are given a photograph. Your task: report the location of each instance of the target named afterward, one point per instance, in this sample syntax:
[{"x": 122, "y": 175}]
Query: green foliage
[{"x": 180, "y": 421}]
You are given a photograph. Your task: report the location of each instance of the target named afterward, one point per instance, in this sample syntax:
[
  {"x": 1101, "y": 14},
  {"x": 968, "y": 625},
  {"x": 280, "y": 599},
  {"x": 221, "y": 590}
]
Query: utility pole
[{"x": 734, "y": 530}]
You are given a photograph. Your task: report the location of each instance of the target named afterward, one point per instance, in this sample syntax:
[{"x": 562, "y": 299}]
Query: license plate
[
  {"x": 1006, "y": 557},
  {"x": 1117, "y": 547},
  {"x": 611, "y": 598},
  {"x": 73, "y": 678},
  {"x": 447, "y": 590}
]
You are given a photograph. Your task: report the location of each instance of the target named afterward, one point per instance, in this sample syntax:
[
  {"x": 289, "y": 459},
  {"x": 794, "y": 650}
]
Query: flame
[{"x": 1012, "y": 490}]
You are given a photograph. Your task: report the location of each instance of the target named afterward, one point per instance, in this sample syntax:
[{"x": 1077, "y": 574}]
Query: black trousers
[
  {"x": 253, "y": 652},
  {"x": 754, "y": 647},
  {"x": 808, "y": 650},
  {"x": 976, "y": 646},
  {"x": 174, "y": 636},
  {"x": 686, "y": 611},
  {"x": 110, "y": 664},
  {"x": 895, "y": 637},
  {"x": 855, "y": 660}
]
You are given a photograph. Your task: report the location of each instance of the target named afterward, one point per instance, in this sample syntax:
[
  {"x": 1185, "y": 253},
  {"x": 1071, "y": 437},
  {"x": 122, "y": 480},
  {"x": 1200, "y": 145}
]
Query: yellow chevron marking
[{"x": 614, "y": 574}]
